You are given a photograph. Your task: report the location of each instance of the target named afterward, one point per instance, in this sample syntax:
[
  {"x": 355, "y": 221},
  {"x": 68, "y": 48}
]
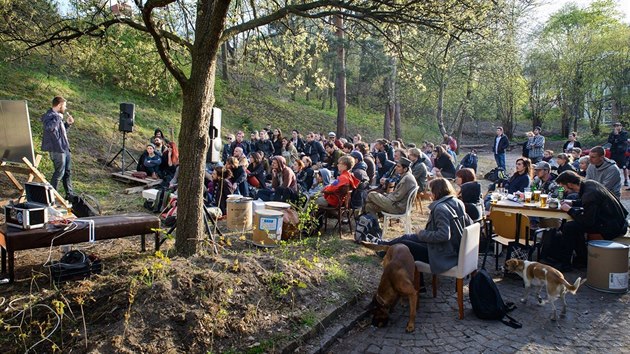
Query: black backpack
[
  {"x": 75, "y": 265},
  {"x": 367, "y": 229},
  {"x": 496, "y": 174},
  {"x": 85, "y": 205},
  {"x": 487, "y": 302}
]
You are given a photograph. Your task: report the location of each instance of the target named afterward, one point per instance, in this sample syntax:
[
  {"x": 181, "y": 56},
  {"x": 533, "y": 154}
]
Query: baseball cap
[{"x": 542, "y": 165}]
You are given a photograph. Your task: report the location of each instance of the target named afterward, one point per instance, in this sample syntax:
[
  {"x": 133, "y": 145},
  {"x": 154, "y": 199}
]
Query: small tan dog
[
  {"x": 542, "y": 275},
  {"x": 400, "y": 279}
]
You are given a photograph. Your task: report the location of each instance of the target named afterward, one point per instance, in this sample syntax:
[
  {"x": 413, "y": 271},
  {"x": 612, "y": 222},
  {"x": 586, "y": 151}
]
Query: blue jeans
[
  {"x": 500, "y": 160},
  {"x": 63, "y": 164}
]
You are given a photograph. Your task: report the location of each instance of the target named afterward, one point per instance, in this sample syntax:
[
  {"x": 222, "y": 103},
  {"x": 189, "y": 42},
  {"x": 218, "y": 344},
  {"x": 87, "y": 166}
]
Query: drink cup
[
  {"x": 543, "y": 200},
  {"x": 536, "y": 196},
  {"x": 528, "y": 196},
  {"x": 494, "y": 197}
]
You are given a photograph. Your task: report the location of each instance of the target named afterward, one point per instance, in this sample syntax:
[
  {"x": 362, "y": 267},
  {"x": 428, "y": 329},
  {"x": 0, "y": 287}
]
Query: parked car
[{"x": 606, "y": 147}]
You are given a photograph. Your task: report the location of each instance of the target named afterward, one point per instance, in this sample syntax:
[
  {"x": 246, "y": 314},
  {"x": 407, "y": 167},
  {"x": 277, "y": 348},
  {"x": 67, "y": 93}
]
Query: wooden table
[
  {"x": 532, "y": 209},
  {"x": 105, "y": 227}
]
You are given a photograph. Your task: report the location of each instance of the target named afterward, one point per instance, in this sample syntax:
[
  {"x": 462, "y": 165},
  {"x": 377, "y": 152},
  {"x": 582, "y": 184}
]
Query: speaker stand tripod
[{"x": 122, "y": 153}]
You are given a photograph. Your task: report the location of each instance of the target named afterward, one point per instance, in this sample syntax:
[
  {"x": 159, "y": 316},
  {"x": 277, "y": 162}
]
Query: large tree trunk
[
  {"x": 387, "y": 124},
  {"x": 439, "y": 112},
  {"x": 225, "y": 74},
  {"x": 198, "y": 99},
  {"x": 340, "y": 81},
  {"x": 397, "y": 123}
]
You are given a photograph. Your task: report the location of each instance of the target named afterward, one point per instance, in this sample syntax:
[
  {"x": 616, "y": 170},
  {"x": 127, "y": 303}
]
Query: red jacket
[{"x": 344, "y": 178}]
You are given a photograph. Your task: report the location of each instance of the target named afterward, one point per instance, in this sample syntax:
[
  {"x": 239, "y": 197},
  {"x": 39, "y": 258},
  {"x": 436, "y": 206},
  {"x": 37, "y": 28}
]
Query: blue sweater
[{"x": 518, "y": 183}]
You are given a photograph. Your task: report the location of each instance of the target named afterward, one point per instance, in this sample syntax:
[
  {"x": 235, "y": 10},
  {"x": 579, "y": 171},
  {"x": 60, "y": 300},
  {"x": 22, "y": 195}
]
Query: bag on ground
[
  {"x": 496, "y": 174},
  {"x": 75, "y": 265},
  {"x": 367, "y": 229},
  {"x": 84, "y": 206},
  {"x": 487, "y": 302}
]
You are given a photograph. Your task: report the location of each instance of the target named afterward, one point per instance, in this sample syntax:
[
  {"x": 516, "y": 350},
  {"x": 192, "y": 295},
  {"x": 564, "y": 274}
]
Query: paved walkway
[{"x": 595, "y": 322}]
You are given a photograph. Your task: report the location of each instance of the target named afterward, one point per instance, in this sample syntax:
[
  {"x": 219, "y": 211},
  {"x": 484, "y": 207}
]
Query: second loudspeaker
[{"x": 127, "y": 117}]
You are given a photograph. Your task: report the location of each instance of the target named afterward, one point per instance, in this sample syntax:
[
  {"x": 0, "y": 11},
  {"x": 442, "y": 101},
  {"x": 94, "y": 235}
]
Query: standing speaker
[
  {"x": 214, "y": 134},
  {"x": 127, "y": 116}
]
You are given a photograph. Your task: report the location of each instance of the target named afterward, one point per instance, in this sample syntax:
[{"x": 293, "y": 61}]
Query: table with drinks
[{"x": 529, "y": 203}]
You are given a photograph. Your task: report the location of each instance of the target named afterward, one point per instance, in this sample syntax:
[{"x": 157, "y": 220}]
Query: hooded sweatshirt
[
  {"x": 607, "y": 174},
  {"x": 318, "y": 187},
  {"x": 285, "y": 176}
]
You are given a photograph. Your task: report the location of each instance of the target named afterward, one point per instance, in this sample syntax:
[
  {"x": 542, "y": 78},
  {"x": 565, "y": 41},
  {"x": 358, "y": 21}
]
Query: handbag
[
  {"x": 139, "y": 174},
  {"x": 253, "y": 181}
]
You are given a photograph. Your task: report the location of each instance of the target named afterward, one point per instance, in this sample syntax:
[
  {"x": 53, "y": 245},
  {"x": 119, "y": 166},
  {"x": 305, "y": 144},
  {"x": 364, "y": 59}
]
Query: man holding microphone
[{"x": 55, "y": 141}]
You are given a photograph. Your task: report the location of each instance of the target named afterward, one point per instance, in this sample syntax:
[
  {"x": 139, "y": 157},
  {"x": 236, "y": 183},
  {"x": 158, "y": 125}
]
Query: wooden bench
[{"x": 105, "y": 227}]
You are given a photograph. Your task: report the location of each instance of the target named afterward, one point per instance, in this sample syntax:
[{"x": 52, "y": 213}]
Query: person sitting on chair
[
  {"x": 596, "y": 210},
  {"x": 438, "y": 243},
  {"x": 443, "y": 166},
  {"x": 329, "y": 195},
  {"x": 470, "y": 193},
  {"x": 396, "y": 201},
  {"x": 321, "y": 181},
  {"x": 221, "y": 187}
]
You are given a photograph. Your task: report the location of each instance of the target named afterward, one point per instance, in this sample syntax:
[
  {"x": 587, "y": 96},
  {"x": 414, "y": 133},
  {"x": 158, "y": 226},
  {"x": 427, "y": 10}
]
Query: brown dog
[
  {"x": 538, "y": 274},
  {"x": 400, "y": 278}
]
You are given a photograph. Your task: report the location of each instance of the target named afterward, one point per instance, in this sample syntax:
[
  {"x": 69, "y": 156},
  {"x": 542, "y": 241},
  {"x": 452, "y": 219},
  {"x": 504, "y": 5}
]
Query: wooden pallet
[{"x": 128, "y": 178}]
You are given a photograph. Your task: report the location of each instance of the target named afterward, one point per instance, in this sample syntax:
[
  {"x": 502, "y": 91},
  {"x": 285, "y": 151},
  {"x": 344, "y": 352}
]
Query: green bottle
[{"x": 561, "y": 193}]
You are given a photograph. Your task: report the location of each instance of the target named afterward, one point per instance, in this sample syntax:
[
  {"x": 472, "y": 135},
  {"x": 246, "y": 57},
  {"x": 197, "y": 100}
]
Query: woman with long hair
[
  {"x": 221, "y": 187},
  {"x": 170, "y": 161},
  {"x": 289, "y": 152},
  {"x": 443, "y": 166},
  {"x": 522, "y": 177},
  {"x": 276, "y": 140},
  {"x": 256, "y": 170},
  {"x": 438, "y": 243}
]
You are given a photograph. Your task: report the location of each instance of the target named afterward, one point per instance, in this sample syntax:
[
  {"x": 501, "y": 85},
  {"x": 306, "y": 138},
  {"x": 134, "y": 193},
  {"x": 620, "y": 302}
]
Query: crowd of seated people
[{"x": 275, "y": 167}]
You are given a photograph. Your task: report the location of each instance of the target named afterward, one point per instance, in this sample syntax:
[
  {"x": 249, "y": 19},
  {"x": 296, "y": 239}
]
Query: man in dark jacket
[
  {"x": 55, "y": 141},
  {"x": 618, "y": 140},
  {"x": 240, "y": 142},
  {"x": 501, "y": 143},
  {"x": 265, "y": 145},
  {"x": 596, "y": 211},
  {"x": 314, "y": 149},
  {"x": 297, "y": 140}
]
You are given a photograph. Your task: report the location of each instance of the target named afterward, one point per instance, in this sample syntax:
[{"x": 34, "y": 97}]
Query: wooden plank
[
  {"x": 134, "y": 190},
  {"x": 15, "y": 169},
  {"x": 15, "y": 182},
  {"x": 129, "y": 177},
  {"x": 38, "y": 159}
]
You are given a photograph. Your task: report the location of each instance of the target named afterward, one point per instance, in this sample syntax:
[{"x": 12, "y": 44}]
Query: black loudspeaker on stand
[{"x": 125, "y": 125}]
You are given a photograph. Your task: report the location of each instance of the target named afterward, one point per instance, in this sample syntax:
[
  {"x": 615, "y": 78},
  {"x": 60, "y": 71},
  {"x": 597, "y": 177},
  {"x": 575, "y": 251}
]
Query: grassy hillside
[{"x": 95, "y": 137}]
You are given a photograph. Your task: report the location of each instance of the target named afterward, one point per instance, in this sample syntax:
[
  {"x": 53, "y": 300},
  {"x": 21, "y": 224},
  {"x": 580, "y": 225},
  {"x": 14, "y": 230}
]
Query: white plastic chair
[
  {"x": 406, "y": 216},
  {"x": 466, "y": 264}
]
